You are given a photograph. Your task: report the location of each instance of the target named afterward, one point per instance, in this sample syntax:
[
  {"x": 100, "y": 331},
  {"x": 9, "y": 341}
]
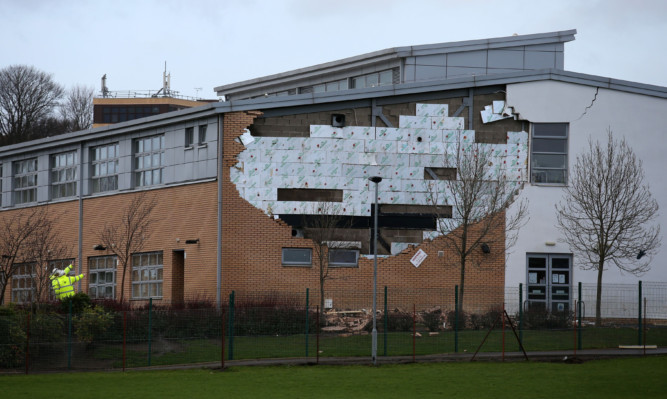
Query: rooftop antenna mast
[
  {"x": 166, "y": 83},
  {"x": 105, "y": 89}
]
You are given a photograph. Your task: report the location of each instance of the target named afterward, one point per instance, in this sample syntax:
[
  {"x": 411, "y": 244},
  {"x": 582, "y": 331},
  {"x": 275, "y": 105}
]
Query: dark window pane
[
  {"x": 547, "y": 145},
  {"x": 550, "y": 129}
]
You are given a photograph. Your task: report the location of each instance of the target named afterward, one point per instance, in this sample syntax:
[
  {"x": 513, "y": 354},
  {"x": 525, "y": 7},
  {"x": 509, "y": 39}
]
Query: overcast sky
[{"x": 207, "y": 43}]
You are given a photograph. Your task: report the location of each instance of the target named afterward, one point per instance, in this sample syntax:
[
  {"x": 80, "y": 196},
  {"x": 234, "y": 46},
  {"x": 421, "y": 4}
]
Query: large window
[
  {"x": 202, "y": 134},
  {"x": 297, "y": 256},
  {"x": 25, "y": 181},
  {"x": 147, "y": 275},
  {"x": 549, "y": 153},
  {"x": 23, "y": 283},
  {"x": 149, "y": 160},
  {"x": 64, "y": 175},
  {"x": 105, "y": 168},
  {"x": 189, "y": 136},
  {"x": 343, "y": 257},
  {"x": 102, "y": 277},
  {"x": 374, "y": 79}
]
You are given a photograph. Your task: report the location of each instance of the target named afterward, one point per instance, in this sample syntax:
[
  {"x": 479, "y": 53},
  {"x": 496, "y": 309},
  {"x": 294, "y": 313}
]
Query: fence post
[
  {"x": 386, "y": 317},
  {"x": 579, "y": 327},
  {"x": 456, "y": 318},
  {"x": 317, "y": 348},
  {"x": 521, "y": 313},
  {"x": 124, "y": 337},
  {"x": 69, "y": 337},
  {"x": 639, "y": 319},
  {"x": 150, "y": 328},
  {"x": 27, "y": 346},
  {"x": 307, "y": 325},
  {"x": 414, "y": 331},
  {"x": 231, "y": 326},
  {"x": 222, "y": 338}
]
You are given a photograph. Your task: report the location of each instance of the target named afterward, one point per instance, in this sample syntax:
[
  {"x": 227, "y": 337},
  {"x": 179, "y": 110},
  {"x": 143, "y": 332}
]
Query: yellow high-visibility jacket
[{"x": 63, "y": 285}]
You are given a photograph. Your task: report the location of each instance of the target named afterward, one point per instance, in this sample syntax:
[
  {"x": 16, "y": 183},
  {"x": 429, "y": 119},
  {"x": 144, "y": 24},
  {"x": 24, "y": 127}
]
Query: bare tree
[
  {"x": 77, "y": 108},
  {"x": 45, "y": 249},
  {"x": 471, "y": 205},
  {"x": 326, "y": 226},
  {"x": 129, "y": 233},
  {"x": 27, "y": 96},
  {"x": 606, "y": 211},
  {"x": 16, "y": 234}
]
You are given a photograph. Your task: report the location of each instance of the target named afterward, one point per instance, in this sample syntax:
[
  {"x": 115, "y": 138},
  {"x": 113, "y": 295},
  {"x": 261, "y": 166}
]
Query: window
[
  {"x": 149, "y": 160},
  {"x": 343, "y": 257},
  {"x": 549, "y": 281},
  {"x": 25, "y": 181},
  {"x": 102, "y": 277},
  {"x": 297, "y": 256},
  {"x": 549, "y": 153},
  {"x": 0, "y": 184},
  {"x": 64, "y": 174},
  {"x": 310, "y": 195},
  {"x": 189, "y": 136},
  {"x": 202, "y": 134},
  {"x": 105, "y": 168},
  {"x": 374, "y": 79},
  {"x": 23, "y": 283},
  {"x": 147, "y": 275}
]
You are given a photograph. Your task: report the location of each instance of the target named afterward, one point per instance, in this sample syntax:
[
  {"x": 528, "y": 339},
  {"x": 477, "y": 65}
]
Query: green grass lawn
[{"x": 617, "y": 378}]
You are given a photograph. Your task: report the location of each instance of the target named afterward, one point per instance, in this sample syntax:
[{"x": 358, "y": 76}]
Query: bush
[
  {"x": 397, "y": 321},
  {"x": 462, "y": 319},
  {"x": 79, "y": 301},
  {"x": 12, "y": 339},
  {"x": 486, "y": 320},
  {"x": 433, "y": 320},
  {"x": 92, "y": 322},
  {"x": 540, "y": 318}
]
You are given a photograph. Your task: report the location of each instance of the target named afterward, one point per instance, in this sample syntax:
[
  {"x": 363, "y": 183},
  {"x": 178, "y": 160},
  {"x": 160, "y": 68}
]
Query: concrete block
[
  {"x": 388, "y": 146},
  {"x": 414, "y": 147},
  {"x": 326, "y": 131},
  {"x": 341, "y": 157},
  {"x": 390, "y": 159},
  {"x": 359, "y": 132},
  {"x": 414, "y": 122},
  {"x": 318, "y": 157},
  {"x": 517, "y": 138},
  {"x": 261, "y": 194},
  {"x": 250, "y": 155},
  {"x": 393, "y": 133},
  {"x": 448, "y": 123},
  {"x": 313, "y": 144},
  {"x": 352, "y": 145},
  {"x": 451, "y": 136},
  {"x": 432, "y": 110}
]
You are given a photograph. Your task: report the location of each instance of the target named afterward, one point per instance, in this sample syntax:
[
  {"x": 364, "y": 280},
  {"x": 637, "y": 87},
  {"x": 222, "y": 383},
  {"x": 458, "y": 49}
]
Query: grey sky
[{"x": 207, "y": 43}]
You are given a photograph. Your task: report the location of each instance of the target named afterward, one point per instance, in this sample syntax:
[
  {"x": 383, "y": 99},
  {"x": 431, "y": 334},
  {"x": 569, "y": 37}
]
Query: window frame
[
  {"x": 535, "y": 154},
  {"x": 138, "y": 281},
  {"x": 189, "y": 137},
  {"x": 343, "y": 264},
  {"x": 25, "y": 273},
  {"x": 97, "y": 161},
  {"x": 143, "y": 150},
  {"x": 22, "y": 176},
  {"x": 61, "y": 185},
  {"x": 297, "y": 263},
  {"x": 97, "y": 270},
  {"x": 201, "y": 133}
]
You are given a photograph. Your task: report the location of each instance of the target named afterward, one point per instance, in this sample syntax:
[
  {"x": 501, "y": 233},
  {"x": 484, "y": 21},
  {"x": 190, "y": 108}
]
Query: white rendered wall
[{"x": 638, "y": 118}]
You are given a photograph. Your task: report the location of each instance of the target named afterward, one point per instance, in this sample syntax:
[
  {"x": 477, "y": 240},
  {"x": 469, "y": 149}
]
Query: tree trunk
[
  {"x": 598, "y": 296},
  {"x": 462, "y": 283},
  {"x": 122, "y": 285}
]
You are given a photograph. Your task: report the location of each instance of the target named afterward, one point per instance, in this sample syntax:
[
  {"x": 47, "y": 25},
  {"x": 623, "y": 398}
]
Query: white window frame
[
  {"x": 64, "y": 174},
  {"x": 102, "y": 266},
  {"x": 25, "y": 181},
  {"x": 149, "y": 153},
  {"x": 286, "y": 261},
  {"x": 534, "y": 154},
  {"x": 105, "y": 168},
  {"x": 147, "y": 275},
  {"x": 23, "y": 283}
]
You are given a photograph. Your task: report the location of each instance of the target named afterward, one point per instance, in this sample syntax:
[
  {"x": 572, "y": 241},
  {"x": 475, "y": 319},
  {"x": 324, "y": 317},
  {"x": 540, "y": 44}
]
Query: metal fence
[{"x": 270, "y": 325}]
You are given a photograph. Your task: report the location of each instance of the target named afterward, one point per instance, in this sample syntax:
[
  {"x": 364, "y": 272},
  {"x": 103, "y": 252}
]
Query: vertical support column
[
  {"x": 456, "y": 319},
  {"x": 386, "y": 320},
  {"x": 27, "y": 345},
  {"x": 218, "y": 299},
  {"x": 307, "y": 326},
  {"x": 521, "y": 313},
  {"x": 124, "y": 337},
  {"x": 231, "y": 326},
  {"x": 639, "y": 318},
  {"x": 150, "y": 328},
  {"x": 69, "y": 336}
]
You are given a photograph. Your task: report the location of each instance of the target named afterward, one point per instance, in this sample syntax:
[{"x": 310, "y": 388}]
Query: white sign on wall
[{"x": 418, "y": 258}]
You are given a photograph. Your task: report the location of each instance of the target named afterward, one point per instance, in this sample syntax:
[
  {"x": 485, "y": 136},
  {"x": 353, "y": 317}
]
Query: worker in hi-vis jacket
[{"x": 62, "y": 283}]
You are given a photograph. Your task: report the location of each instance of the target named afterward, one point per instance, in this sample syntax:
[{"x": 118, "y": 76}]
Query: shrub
[
  {"x": 540, "y": 318},
  {"x": 79, "y": 301},
  {"x": 12, "y": 339},
  {"x": 462, "y": 319},
  {"x": 486, "y": 320},
  {"x": 397, "y": 321},
  {"x": 433, "y": 320},
  {"x": 92, "y": 322}
]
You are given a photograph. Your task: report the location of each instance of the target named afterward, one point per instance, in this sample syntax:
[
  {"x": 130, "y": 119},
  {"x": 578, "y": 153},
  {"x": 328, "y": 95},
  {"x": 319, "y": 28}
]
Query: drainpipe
[
  {"x": 219, "y": 235},
  {"x": 80, "y": 254}
]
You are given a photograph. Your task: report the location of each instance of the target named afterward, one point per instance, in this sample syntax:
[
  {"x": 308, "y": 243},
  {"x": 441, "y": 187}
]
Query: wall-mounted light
[
  {"x": 550, "y": 243},
  {"x": 99, "y": 247},
  {"x": 641, "y": 254},
  {"x": 195, "y": 241},
  {"x": 485, "y": 248}
]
